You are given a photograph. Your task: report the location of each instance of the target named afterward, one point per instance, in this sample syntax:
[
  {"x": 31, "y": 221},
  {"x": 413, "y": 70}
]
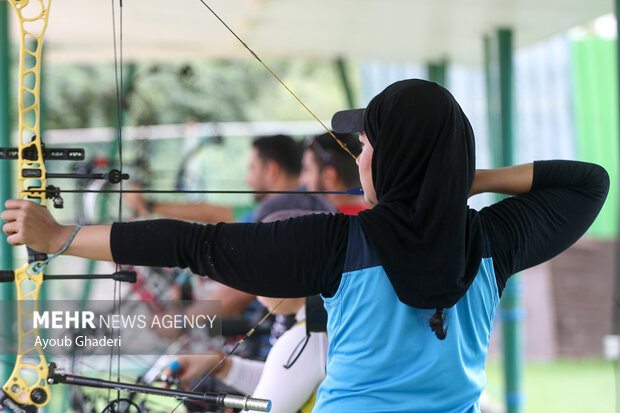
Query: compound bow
[{"x": 27, "y": 388}]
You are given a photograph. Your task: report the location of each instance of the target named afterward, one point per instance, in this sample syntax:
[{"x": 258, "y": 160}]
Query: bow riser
[{"x": 27, "y": 385}]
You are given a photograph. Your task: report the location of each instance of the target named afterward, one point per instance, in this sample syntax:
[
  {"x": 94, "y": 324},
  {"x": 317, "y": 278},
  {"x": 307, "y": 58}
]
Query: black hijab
[{"x": 428, "y": 240}]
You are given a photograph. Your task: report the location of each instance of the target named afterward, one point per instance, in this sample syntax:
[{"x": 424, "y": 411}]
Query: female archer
[{"x": 411, "y": 285}]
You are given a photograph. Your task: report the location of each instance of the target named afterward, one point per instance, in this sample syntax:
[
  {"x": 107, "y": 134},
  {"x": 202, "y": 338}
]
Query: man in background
[
  {"x": 327, "y": 167},
  {"x": 274, "y": 165}
]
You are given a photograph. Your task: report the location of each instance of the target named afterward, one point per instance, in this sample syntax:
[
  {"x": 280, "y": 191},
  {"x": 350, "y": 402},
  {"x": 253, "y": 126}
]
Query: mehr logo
[{"x": 88, "y": 319}]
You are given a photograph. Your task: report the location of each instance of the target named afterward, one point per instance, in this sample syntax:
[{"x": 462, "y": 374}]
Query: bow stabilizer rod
[
  {"x": 223, "y": 400},
  {"x": 123, "y": 276}
]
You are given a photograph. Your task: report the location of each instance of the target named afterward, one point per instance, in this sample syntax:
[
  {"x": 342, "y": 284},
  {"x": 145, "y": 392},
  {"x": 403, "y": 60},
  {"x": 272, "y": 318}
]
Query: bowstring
[{"x": 118, "y": 83}]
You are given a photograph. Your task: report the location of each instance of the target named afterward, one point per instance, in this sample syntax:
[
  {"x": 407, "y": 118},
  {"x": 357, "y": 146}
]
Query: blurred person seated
[{"x": 290, "y": 375}]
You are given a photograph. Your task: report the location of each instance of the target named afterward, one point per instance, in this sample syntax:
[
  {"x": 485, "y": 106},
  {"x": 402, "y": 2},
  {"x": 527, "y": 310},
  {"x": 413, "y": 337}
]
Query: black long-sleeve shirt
[{"x": 304, "y": 256}]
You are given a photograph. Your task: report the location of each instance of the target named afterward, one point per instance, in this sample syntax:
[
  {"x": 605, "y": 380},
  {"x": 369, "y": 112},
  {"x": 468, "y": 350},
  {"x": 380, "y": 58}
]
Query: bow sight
[{"x": 31, "y": 154}]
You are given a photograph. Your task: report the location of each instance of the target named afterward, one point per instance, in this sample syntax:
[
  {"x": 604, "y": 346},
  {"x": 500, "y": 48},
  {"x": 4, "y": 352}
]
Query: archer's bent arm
[{"x": 525, "y": 230}]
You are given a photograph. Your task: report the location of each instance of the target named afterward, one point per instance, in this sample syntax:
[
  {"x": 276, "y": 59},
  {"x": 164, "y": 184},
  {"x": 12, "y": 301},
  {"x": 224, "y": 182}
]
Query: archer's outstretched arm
[
  {"x": 293, "y": 258},
  {"x": 28, "y": 223}
]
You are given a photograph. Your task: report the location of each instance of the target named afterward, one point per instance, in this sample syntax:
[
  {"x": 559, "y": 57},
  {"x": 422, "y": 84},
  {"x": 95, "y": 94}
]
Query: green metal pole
[
  {"x": 7, "y": 291},
  {"x": 6, "y": 178},
  {"x": 341, "y": 67},
  {"x": 616, "y": 308},
  {"x": 511, "y": 309},
  {"x": 500, "y": 101},
  {"x": 504, "y": 40},
  {"x": 493, "y": 101},
  {"x": 437, "y": 72}
]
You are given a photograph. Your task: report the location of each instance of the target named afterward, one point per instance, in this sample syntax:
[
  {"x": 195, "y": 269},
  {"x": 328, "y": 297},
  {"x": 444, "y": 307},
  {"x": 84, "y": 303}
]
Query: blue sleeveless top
[{"x": 383, "y": 356}]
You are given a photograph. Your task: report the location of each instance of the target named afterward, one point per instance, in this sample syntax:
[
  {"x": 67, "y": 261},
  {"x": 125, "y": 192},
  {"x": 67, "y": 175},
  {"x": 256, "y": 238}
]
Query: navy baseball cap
[{"x": 348, "y": 121}]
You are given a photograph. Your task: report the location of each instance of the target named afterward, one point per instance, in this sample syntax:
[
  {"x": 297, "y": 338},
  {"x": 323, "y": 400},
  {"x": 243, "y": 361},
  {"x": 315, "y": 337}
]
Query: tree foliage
[{"x": 80, "y": 96}]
